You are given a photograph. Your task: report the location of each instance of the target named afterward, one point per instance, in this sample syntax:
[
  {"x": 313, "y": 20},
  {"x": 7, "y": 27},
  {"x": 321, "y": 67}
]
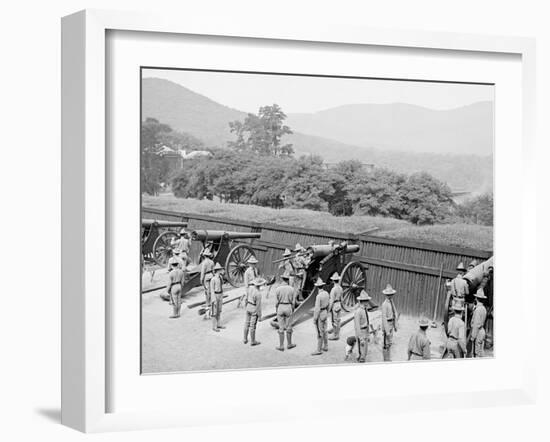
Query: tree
[
  {"x": 262, "y": 134},
  {"x": 151, "y": 163},
  {"x": 477, "y": 210}
]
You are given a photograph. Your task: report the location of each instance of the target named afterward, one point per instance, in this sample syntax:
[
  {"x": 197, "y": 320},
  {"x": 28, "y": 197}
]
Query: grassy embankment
[{"x": 459, "y": 235}]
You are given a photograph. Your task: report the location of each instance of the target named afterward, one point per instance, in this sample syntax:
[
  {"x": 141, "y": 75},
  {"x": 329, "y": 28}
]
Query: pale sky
[{"x": 248, "y": 92}]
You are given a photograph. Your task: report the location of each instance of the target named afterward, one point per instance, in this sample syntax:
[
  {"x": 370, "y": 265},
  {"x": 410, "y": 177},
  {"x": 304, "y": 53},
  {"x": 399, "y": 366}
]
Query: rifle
[{"x": 294, "y": 255}]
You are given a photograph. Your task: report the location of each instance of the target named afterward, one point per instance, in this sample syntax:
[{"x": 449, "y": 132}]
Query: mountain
[
  {"x": 463, "y": 130},
  {"x": 192, "y": 113}
]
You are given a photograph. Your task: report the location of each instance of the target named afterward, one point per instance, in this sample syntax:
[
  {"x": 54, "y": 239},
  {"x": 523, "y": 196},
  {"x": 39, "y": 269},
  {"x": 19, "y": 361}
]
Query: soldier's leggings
[
  {"x": 336, "y": 321},
  {"x": 388, "y": 341},
  {"x": 207, "y": 294},
  {"x": 479, "y": 344},
  {"x": 363, "y": 347},
  {"x": 175, "y": 297},
  {"x": 321, "y": 327},
  {"x": 251, "y": 319}
]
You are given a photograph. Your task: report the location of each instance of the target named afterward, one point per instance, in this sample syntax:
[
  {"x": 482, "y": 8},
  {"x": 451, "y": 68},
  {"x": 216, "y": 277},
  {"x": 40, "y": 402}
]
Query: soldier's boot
[
  {"x": 221, "y": 327},
  {"x": 175, "y": 311},
  {"x": 245, "y": 337},
  {"x": 319, "y": 350},
  {"x": 281, "y": 346},
  {"x": 325, "y": 342},
  {"x": 253, "y": 338},
  {"x": 215, "y": 324},
  {"x": 289, "y": 345}
]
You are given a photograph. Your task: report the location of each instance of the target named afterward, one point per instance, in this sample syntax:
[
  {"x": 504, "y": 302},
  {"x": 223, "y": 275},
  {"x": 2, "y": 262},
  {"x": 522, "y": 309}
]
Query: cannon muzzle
[
  {"x": 321, "y": 251},
  {"x": 146, "y": 222},
  {"x": 475, "y": 276},
  {"x": 216, "y": 235}
]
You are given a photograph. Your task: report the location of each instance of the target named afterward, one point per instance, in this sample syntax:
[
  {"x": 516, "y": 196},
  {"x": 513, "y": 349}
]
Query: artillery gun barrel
[
  {"x": 475, "y": 276},
  {"x": 321, "y": 251},
  {"x": 145, "y": 222},
  {"x": 215, "y": 235}
]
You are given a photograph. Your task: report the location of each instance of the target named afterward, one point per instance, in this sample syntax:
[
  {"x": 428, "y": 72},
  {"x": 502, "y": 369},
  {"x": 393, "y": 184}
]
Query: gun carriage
[
  {"x": 156, "y": 239},
  {"x": 322, "y": 261},
  {"x": 226, "y": 250}
]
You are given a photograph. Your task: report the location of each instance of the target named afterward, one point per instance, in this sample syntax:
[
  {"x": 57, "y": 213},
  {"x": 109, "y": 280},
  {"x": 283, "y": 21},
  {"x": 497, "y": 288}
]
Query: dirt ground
[{"x": 189, "y": 343}]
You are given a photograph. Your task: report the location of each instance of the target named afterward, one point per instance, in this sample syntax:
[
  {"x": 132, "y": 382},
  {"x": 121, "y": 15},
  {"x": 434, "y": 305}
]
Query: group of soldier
[{"x": 328, "y": 306}]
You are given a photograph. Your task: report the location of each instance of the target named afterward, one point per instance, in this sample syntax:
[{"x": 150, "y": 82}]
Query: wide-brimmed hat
[
  {"x": 335, "y": 277},
  {"x": 298, "y": 247},
  {"x": 364, "y": 296},
  {"x": 319, "y": 282},
  {"x": 480, "y": 294},
  {"x": 458, "y": 308},
  {"x": 176, "y": 251},
  {"x": 207, "y": 252},
  {"x": 423, "y": 322},
  {"x": 173, "y": 261},
  {"x": 473, "y": 263},
  {"x": 218, "y": 266},
  {"x": 461, "y": 266},
  {"x": 389, "y": 290},
  {"x": 287, "y": 252},
  {"x": 285, "y": 276},
  {"x": 259, "y": 281},
  {"x": 183, "y": 231},
  {"x": 252, "y": 260}
]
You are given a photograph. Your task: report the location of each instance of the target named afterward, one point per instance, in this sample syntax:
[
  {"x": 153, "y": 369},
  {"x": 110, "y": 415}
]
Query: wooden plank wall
[{"x": 412, "y": 268}]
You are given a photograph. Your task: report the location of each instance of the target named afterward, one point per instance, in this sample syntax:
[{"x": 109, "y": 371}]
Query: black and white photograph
[{"x": 292, "y": 220}]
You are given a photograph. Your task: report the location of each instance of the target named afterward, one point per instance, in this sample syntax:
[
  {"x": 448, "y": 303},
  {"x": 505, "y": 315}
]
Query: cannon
[
  {"x": 225, "y": 249},
  {"x": 480, "y": 276},
  {"x": 322, "y": 261},
  {"x": 156, "y": 246}
]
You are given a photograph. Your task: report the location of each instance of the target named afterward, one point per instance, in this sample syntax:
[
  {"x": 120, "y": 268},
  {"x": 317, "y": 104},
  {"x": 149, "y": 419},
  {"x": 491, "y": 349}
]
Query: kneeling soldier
[
  {"x": 285, "y": 299},
  {"x": 175, "y": 282},
  {"x": 456, "y": 334},
  {"x": 320, "y": 315},
  {"x": 419, "y": 344},
  {"x": 216, "y": 290},
  {"x": 253, "y": 310},
  {"x": 335, "y": 306},
  {"x": 362, "y": 324}
]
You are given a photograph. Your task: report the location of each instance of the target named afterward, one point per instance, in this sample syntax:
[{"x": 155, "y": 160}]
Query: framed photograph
[{"x": 257, "y": 205}]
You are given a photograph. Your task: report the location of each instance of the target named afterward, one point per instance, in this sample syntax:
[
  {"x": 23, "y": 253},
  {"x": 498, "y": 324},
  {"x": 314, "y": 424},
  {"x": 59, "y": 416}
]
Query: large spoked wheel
[
  {"x": 162, "y": 248},
  {"x": 353, "y": 280},
  {"x": 236, "y": 264}
]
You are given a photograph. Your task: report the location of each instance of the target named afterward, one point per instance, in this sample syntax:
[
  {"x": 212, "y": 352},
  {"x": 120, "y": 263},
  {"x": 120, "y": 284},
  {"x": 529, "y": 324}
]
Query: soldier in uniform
[
  {"x": 175, "y": 283},
  {"x": 177, "y": 256},
  {"x": 320, "y": 316},
  {"x": 335, "y": 306},
  {"x": 477, "y": 325},
  {"x": 285, "y": 299},
  {"x": 250, "y": 274},
  {"x": 456, "y": 334},
  {"x": 459, "y": 286},
  {"x": 216, "y": 290},
  {"x": 389, "y": 321},
  {"x": 299, "y": 264},
  {"x": 253, "y": 311},
  {"x": 183, "y": 243},
  {"x": 287, "y": 266},
  {"x": 207, "y": 269},
  {"x": 419, "y": 344},
  {"x": 362, "y": 324}
]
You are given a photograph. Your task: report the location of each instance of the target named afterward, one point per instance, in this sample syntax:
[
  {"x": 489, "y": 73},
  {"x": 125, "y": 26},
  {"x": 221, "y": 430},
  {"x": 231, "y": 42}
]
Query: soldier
[
  {"x": 477, "y": 325},
  {"x": 389, "y": 321},
  {"x": 253, "y": 310},
  {"x": 456, "y": 334},
  {"x": 285, "y": 299},
  {"x": 362, "y": 324},
  {"x": 320, "y": 315},
  {"x": 216, "y": 290},
  {"x": 175, "y": 283},
  {"x": 177, "y": 256},
  {"x": 419, "y": 344},
  {"x": 299, "y": 264},
  {"x": 183, "y": 243},
  {"x": 287, "y": 266},
  {"x": 207, "y": 268},
  {"x": 250, "y": 274},
  {"x": 335, "y": 306}
]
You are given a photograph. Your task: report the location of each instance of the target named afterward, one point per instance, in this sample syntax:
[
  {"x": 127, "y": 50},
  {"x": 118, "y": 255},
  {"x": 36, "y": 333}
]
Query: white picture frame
[{"x": 85, "y": 199}]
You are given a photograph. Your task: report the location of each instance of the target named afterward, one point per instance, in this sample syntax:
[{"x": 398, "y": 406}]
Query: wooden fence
[{"x": 416, "y": 270}]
